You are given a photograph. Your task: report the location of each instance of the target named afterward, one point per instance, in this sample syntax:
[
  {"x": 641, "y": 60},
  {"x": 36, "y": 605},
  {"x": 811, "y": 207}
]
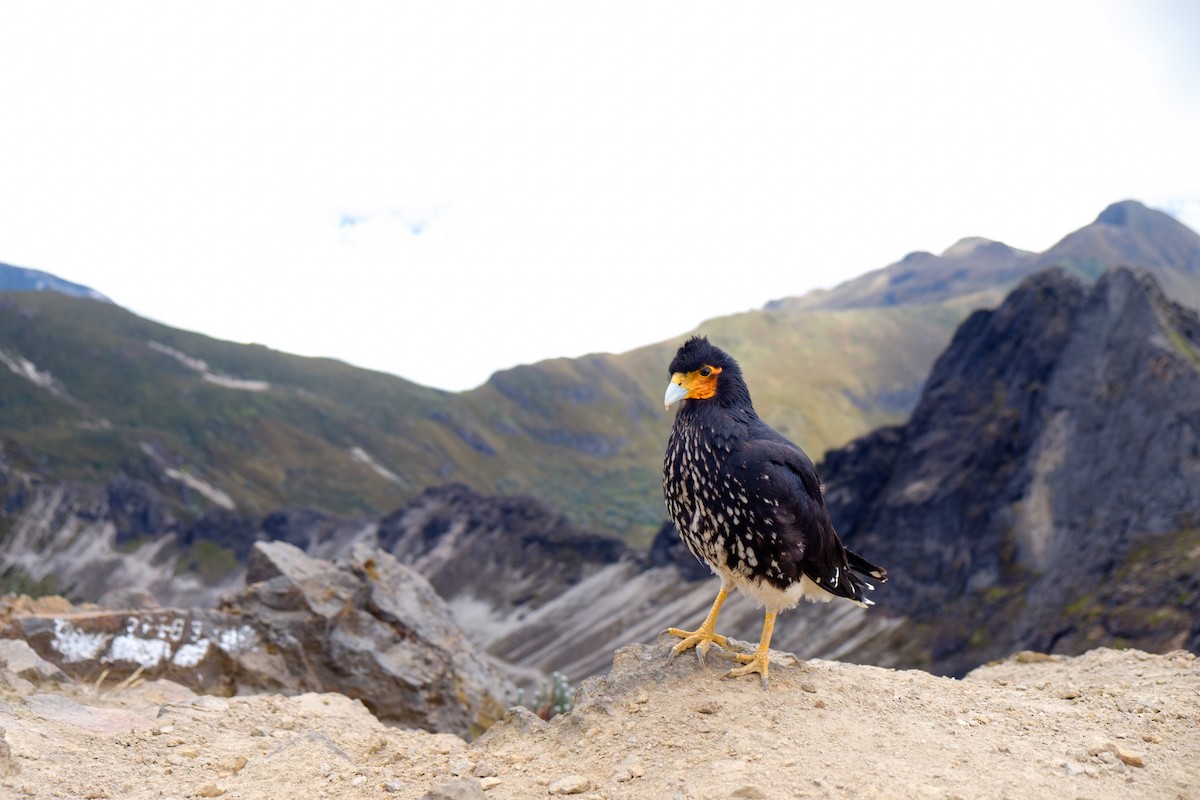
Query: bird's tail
[
  {"x": 841, "y": 581},
  {"x": 860, "y": 564}
]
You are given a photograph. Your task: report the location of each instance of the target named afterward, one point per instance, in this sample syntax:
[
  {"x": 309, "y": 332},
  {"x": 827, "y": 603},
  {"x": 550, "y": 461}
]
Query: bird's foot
[
  {"x": 701, "y": 639},
  {"x": 758, "y": 661}
]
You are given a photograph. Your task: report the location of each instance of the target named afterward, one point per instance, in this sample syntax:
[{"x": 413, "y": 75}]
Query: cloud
[{"x": 440, "y": 190}]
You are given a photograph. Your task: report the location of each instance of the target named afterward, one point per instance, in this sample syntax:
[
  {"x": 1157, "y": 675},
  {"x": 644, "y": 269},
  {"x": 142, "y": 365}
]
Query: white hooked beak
[{"x": 675, "y": 391}]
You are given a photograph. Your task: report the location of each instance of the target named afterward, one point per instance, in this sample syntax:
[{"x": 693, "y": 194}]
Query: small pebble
[
  {"x": 1131, "y": 758},
  {"x": 394, "y": 786},
  {"x": 570, "y": 784}
]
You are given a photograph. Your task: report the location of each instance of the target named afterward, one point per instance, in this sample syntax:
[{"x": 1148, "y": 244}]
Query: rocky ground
[{"x": 1106, "y": 724}]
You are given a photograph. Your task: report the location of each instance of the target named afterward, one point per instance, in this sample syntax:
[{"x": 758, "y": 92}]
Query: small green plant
[
  {"x": 210, "y": 561},
  {"x": 554, "y": 696},
  {"x": 15, "y": 580}
]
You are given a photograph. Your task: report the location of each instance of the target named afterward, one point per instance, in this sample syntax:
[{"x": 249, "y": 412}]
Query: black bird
[{"x": 748, "y": 502}]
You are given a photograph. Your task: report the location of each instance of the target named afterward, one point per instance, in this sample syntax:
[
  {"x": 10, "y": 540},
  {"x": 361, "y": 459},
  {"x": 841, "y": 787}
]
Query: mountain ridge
[
  {"x": 94, "y": 391},
  {"x": 23, "y": 279},
  {"x": 971, "y": 489},
  {"x": 1126, "y": 233}
]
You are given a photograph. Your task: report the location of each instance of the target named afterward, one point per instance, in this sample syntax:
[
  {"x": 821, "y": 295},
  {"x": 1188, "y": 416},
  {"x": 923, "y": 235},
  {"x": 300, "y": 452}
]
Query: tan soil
[{"x": 1109, "y": 724}]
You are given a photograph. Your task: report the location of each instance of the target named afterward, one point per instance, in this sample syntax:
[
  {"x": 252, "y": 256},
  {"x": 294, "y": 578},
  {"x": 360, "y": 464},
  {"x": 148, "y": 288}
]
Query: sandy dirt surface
[{"x": 1108, "y": 724}]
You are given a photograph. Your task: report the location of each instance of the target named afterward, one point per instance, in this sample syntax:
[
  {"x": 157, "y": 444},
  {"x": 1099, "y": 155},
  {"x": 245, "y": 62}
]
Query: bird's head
[{"x": 703, "y": 371}]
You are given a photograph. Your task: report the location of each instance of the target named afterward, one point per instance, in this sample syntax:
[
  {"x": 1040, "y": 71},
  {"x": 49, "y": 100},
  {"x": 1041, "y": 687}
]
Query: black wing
[{"x": 789, "y": 492}]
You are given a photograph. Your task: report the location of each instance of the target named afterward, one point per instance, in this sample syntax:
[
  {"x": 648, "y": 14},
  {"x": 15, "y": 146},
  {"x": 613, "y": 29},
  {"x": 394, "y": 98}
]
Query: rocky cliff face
[
  {"x": 115, "y": 542},
  {"x": 121, "y": 544},
  {"x": 1054, "y": 454},
  {"x": 453, "y": 535}
]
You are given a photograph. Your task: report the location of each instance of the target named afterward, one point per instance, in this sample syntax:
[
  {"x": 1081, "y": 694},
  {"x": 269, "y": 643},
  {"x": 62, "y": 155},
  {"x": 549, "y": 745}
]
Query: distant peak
[
  {"x": 21, "y": 279},
  {"x": 967, "y": 246},
  {"x": 1122, "y": 213}
]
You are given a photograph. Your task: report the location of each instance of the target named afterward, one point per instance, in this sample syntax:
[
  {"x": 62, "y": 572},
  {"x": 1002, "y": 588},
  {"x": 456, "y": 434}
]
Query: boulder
[{"x": 365, "y": 626}]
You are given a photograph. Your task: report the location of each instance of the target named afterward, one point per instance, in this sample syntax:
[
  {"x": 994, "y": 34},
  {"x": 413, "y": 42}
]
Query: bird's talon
[
  {"x": 701, "y": 639},
  {"x": 758, "y": 662}
]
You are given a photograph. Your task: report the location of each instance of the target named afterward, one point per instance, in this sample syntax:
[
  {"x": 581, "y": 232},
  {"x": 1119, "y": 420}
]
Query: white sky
[{"x": 443, "y": 189}]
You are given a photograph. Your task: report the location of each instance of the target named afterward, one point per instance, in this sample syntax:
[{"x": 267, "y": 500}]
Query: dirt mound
[{"x": 1106, "y": 724}]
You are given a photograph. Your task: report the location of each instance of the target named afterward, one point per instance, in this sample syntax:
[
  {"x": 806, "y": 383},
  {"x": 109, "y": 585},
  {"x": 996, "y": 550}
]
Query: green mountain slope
[
  {"x": 598, "y": 422},
  {"x": 117, "y": 395},
  {"x": 89, "y": 390}
]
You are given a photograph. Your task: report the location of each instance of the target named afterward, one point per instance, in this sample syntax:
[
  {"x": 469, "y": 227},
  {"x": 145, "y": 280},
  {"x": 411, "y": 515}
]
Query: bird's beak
[{"x": 675, "y": 390}]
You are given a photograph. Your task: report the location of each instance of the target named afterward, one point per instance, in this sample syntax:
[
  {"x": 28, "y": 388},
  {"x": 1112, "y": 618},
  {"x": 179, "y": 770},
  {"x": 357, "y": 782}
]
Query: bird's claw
[
  {"x": 753, "y": 662},
  {"x": 700, "y": 639}
]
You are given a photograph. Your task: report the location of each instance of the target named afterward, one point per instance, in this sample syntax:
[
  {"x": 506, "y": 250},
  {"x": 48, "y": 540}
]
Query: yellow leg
[
  {"x": 759, "y": 661},
  {"x": 703, "y": 637}
]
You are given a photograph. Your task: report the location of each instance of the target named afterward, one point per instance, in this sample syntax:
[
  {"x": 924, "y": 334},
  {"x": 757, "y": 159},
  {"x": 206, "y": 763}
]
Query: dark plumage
[{"x": 748, "y": 502}]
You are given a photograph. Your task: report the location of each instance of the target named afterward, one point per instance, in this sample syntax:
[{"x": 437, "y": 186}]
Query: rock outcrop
[
  {"x": 1053, "y": 459},
  {"x": 365, "y": 626}
]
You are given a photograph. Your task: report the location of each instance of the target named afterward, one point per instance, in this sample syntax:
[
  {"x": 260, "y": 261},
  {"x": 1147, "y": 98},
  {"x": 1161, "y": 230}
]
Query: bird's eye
[{"x": 705, "y": 372}]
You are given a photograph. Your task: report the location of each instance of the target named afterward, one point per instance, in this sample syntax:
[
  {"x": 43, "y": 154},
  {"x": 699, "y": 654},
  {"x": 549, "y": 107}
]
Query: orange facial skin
[{"x": 700, "y": 384}]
